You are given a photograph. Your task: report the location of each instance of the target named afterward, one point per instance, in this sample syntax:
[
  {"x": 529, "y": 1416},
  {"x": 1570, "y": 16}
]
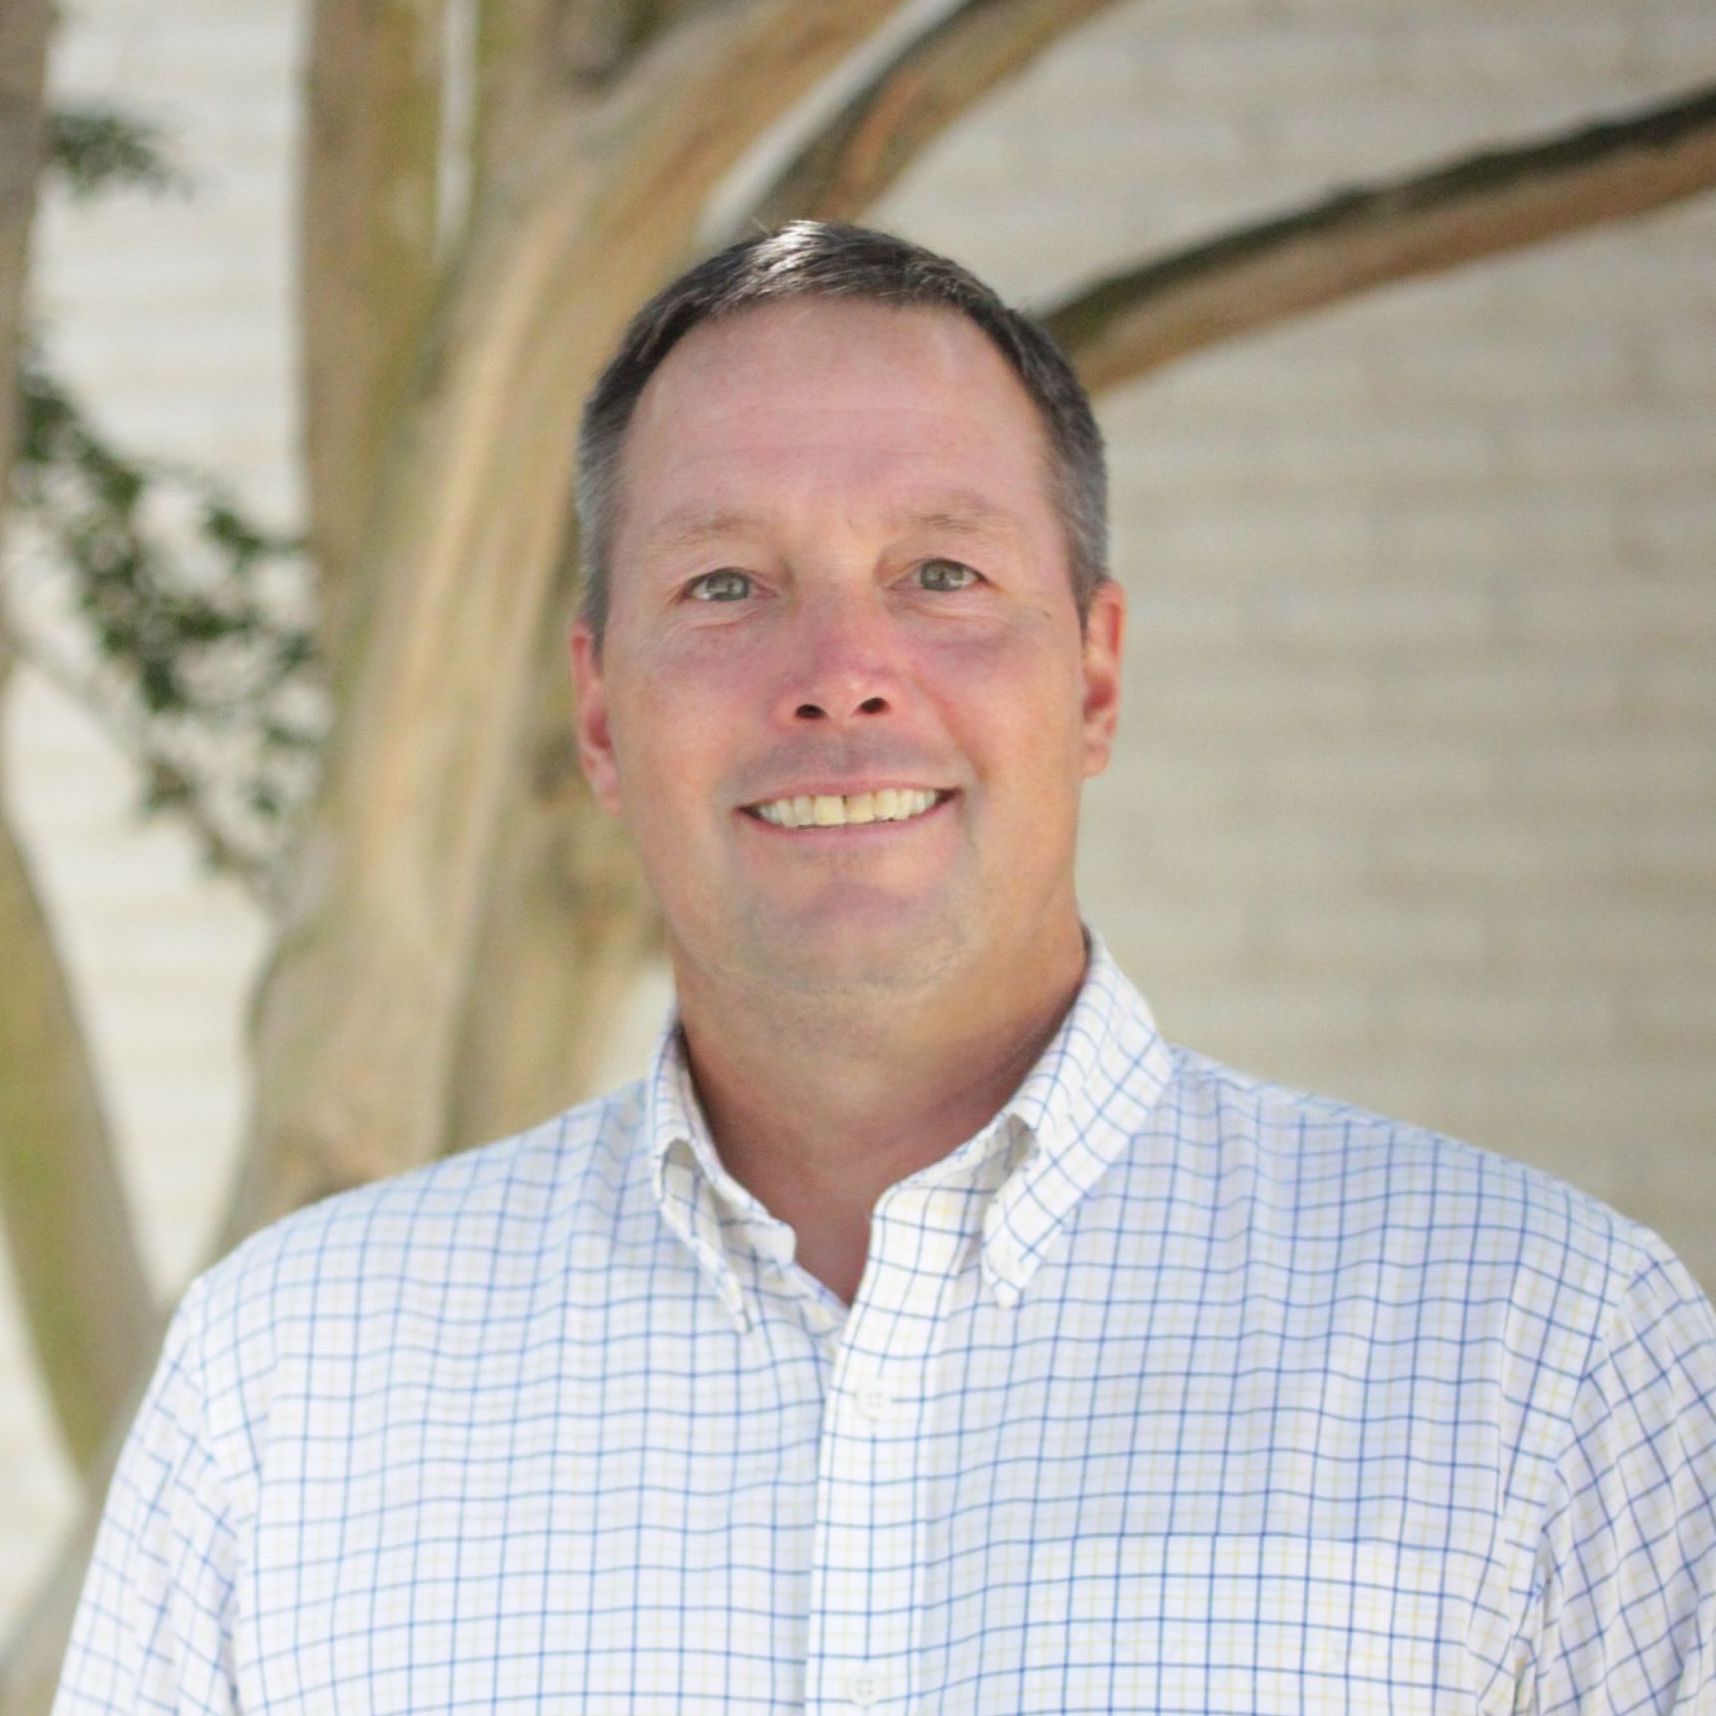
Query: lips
[{"x": 841, "y": 810}]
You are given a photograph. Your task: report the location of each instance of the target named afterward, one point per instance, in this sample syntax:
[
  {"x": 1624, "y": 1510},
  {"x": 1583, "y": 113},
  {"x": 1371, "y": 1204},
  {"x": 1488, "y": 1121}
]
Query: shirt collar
[
  {"x": 1068, "y": 1122},
  {"x": 1080, "y": 1106}
]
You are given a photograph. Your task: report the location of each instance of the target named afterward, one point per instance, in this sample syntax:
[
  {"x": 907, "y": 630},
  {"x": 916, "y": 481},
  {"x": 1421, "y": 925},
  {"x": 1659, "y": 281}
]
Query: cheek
[
  {"x": 717, "y": 668},
  {"x": 1015, "y": 699},
  {"x": 657, "y": 738}
]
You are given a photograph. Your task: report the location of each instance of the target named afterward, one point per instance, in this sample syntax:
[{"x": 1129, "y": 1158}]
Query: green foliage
[
  {"x": 175, "y": 618},
  {"x": 96, "y": 149},
  {"x": 190, "y": 619},
  {"x": 186, "y": 635}
]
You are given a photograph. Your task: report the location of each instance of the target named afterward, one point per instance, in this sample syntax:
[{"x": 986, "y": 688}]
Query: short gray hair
[{"x": 828, "y": 259}]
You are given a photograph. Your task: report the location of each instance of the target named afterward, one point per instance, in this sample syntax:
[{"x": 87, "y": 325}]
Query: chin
[{"x": 883, "y": 947}]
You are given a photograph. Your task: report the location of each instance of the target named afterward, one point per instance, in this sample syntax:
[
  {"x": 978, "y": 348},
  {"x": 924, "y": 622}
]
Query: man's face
[{"x": 839, "y": 587}]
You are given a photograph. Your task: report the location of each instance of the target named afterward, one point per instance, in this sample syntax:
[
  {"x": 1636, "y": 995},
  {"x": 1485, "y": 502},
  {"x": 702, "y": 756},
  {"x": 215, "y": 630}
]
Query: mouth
[{"x": 847, "y": 810}]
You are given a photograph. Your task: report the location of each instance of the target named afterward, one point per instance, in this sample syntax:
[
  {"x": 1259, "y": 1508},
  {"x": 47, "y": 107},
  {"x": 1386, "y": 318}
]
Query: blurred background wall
[{"x": 1416, "y": 797}]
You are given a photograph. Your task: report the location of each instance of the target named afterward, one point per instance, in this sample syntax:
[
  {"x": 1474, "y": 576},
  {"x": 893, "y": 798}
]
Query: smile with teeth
[{"x": 831, "y": 810}]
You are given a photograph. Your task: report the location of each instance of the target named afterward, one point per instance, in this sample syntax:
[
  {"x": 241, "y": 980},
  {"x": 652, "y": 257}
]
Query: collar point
[{"x": 1001, "y": 1276}]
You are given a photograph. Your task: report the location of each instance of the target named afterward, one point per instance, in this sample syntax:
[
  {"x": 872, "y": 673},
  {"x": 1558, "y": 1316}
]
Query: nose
[{"x": 844, "y": 665}]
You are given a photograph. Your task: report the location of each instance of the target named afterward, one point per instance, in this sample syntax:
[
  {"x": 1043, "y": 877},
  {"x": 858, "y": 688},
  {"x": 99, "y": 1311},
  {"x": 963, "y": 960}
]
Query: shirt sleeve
[
  {"x": 1628, "y": 1569},
  {"x": 152, "y": 1629}
]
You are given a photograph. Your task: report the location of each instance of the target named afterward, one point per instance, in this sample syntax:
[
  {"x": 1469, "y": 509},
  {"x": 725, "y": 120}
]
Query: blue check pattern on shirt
[{"x": 1170, "y": 1391}]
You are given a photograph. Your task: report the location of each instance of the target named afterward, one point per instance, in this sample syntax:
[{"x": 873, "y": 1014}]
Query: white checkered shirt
[{"x": 1169, "y": 1391}]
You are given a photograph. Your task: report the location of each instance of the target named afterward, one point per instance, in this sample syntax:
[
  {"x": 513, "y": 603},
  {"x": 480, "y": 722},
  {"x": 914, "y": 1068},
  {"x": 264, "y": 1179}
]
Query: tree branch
[
  {"x": 599, "y": 41},
  {"x": 909, "y": 101},
  {"x": 367, "y": 276},
  {"x": 529, "y": 53},
  {"x": 508, "y": 77},
  {"x": 1501, "y": 200}
]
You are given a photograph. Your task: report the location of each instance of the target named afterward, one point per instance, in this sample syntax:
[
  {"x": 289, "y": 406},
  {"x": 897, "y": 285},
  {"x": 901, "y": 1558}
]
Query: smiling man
[
  {"x": 844, "y": 690},
  {"x": 922, "y": 1333}
]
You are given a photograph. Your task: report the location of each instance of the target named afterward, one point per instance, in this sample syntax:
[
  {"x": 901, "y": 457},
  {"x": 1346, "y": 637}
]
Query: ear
[
  {"x": 1105, "y": 632},
  {"x": 590, "y": 719}
]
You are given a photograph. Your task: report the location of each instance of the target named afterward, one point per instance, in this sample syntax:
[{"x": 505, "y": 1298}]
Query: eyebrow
[
  {"x": 958, "y": 511},
  {"x": 689, "y": 528}
]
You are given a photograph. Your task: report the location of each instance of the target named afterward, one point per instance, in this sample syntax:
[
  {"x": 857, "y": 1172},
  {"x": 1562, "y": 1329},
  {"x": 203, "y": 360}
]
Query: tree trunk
[
  {"x": 86, "y": 1299},
  {"x": 569, "y": 924},
  {"x": 367, "y": 261}
]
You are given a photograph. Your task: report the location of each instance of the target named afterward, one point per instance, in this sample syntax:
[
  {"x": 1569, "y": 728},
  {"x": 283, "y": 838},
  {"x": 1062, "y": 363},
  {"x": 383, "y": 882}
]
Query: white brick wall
[{"x": 1416, "y": 800}]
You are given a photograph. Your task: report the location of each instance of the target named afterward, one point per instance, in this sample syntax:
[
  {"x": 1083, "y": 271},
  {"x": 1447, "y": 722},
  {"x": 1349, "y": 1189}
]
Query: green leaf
[{"x": 95, "y": 149}]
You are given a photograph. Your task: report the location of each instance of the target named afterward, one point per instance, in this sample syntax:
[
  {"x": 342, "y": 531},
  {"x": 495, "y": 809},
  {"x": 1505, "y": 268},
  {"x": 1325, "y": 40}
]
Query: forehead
[{"x": 831, "y": 396}]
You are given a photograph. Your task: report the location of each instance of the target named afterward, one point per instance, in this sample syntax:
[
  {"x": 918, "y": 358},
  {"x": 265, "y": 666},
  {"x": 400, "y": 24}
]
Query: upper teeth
[{"x": 831, "y": 810}]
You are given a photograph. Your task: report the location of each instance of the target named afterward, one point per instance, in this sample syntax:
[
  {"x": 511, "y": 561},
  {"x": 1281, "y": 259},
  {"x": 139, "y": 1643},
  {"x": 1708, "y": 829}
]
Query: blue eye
[
  {"x": 946, "y": 575},
  {"x": 723, "y": 586}
]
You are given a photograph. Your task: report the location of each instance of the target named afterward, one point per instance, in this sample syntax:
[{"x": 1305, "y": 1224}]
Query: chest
[{"x": 1088, "y": 1508}]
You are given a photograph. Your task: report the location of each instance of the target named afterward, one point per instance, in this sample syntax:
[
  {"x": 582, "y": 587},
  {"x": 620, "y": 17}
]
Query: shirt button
[
  {"x": 864, "y": 1688},
  {"x": 873, "y": 1400}
]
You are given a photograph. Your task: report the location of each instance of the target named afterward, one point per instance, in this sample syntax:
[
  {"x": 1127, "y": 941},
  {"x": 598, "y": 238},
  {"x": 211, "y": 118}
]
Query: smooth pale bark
[
  {"x": 526, "y": 51},
  {"x": 526, "y": 54},
  {"x": 907, "y": 102},
  {"x": 509, "y": 72},
  {"x": 1426, "y": 223},
  {"x": 568, "y": 926},
  {"x": 357, "y": 1019},
  {"x": 366, "y": 261},
  {"x": 85, "y": 1297}
]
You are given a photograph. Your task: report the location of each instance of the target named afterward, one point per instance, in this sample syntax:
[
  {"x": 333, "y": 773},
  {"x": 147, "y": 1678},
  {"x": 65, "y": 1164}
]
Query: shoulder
[
  {"x": 446, "y": 1242},
  {"x": 1457, "y": 1231},
  {"x": 411, "y": 1220},
  {"x": 1459, "y": 1263},
  {"x": 1330, "y": 1159}
]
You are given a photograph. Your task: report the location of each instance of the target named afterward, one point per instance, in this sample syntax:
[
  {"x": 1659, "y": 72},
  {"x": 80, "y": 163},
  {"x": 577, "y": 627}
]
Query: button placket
[{"x": 869, "y": 1530}]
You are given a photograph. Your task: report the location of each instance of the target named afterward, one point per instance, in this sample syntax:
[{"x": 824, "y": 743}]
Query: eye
[
  {"x": 726, "y": 585},
  {"x": 945, "y": 575}
]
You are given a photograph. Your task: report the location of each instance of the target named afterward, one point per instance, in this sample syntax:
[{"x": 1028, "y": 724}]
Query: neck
[{"x": 818, "y": 1111}]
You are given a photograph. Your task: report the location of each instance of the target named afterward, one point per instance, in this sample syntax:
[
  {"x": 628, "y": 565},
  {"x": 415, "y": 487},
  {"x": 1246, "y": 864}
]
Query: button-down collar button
[
  {"x": 864, "y": 1688},
  {"x": 874, "y": 1400}
]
